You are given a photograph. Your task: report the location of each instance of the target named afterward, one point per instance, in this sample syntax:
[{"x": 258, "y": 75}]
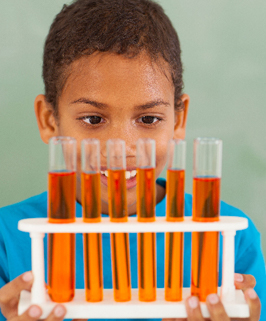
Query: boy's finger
[
  {"x": 244, "y": 281},
  {"x": 216, "y": 308},
  {"x": 193, "y": 309},
  {"x": 254, "y": 304},
  {"x": 162, "y": 319},
  {"x": 57, "y": 314},
  {"x": 11, "y": 290},
  {"x": 32, "y": 314}
]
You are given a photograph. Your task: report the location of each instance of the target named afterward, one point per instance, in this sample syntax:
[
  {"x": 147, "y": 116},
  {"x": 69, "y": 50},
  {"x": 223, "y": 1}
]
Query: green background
[{"x": 224, "y": 54}]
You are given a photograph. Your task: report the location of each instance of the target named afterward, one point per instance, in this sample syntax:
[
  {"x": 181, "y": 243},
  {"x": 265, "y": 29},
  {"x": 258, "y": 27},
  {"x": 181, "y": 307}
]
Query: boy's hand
[
  {"x": 9, "y": 298},
  {"x": 217, "y": 311},
  {"x": 243, "y": 282}
]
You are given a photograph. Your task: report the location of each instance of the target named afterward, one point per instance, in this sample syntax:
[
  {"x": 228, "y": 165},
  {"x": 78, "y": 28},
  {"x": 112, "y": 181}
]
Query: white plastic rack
[{"x": 232, "y": 299}]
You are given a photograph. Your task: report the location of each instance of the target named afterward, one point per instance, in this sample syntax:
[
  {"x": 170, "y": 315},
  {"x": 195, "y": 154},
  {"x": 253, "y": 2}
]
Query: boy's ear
[
  {"x": 45, "y": 118},
  {"x": 181, "y": 119}
]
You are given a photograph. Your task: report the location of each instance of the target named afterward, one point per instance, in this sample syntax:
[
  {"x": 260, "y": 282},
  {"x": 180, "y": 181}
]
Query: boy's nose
[
  {"x": 125, "y": 130},
  {"x": 130, "y": 150}
]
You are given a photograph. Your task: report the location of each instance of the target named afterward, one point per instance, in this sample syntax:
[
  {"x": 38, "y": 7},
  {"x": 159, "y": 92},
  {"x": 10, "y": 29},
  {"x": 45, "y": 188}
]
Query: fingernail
[
  {"x": 213, "y": 298},
  {"x": 27, "y": 276},
  {"x": 193, "y": 302},
  {"x": 34, "y": 312},
  {"x": 239, "y": 277},
  {"x": 59, "y": 311},
  {"x": 252, "y": 294}
]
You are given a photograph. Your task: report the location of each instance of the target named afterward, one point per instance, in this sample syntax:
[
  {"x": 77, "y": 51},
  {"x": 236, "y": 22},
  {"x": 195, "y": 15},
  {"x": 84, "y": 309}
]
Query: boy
[{"x": 112, "y": 69}]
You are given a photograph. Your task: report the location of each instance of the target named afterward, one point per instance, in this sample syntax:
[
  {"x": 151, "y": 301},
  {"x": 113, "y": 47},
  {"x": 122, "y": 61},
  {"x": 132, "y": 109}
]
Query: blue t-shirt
[{"x": 15, "y": 247}]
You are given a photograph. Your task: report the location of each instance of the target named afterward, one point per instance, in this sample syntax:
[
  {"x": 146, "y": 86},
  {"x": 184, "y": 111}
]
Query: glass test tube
[
  {"x": 207, "y": 171},
  {"x": 117, "y": 202},
  {"x": 91, "y": 204},
  {"x": 146, "y": 213},
  {"x": 175, "y": 193},
  {"x": 61, "y": 209}
]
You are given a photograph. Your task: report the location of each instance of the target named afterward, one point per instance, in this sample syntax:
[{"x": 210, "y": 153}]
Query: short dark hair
[{"x": 124, "y": 27}]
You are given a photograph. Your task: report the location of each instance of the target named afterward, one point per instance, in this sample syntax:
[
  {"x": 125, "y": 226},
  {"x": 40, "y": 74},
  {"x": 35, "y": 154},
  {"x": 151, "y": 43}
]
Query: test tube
[
  {"x": 207, "y": 172},
  {"x": 146, "y": 213},
  {"x": 91, "y": 204},
  {"x": 61, "y": 209},
  {"x": 175, "y": 193},
  {"x": 117, "y": 202}
]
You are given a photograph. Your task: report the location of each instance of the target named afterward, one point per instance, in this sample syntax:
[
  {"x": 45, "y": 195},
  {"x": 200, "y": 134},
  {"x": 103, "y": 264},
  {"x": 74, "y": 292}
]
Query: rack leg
[
  {"x": 228, "y": 287},
  {"x": 38, "y": 290}
]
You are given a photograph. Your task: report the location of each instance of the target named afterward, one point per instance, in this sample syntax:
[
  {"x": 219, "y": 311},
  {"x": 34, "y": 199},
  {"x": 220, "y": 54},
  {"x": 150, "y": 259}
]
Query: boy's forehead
[{"x": 113, "y": 72}]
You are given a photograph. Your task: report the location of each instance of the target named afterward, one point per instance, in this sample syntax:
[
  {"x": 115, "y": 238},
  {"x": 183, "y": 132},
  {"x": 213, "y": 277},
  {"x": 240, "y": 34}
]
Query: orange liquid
[
  {"x": 61, "y": 246},
  {"x": 91, "y": 197},
  {"x": 146, "y": 241},
  {"x": 120, "y": 266},
  {"x": 174, "y": 266},
  {"x": 146, "y": 194},
  {"x": 205, "y": 208},
  {"x": 91, "y": 203},
  {"x": 117, "y": 201},
  {"x": 206, "y": 199},
  {"x": 93, "y": 267},
  {"x": 175, "y": 189},
  {"x": 146, "y": 267},
  {"x": 119, "y": 241}
]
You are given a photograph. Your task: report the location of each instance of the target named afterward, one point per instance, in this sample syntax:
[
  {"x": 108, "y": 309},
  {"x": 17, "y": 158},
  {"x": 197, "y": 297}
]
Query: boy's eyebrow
[
  {"x": 90, "y": 102},
  {"x": 97, "y": 104},
  {"x": 152, "y": 104}
]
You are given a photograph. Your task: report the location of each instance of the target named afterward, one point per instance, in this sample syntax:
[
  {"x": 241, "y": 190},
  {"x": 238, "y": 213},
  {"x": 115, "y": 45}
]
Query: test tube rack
[{"x": 233, "y": 300}]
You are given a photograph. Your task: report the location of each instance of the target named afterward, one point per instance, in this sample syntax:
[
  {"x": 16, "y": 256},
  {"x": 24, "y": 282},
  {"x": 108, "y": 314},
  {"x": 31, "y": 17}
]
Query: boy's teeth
[
  {"x": 133, "y": 173},
  {"x": 129, "y": 174},
  {"x": 105, "y": 173}
]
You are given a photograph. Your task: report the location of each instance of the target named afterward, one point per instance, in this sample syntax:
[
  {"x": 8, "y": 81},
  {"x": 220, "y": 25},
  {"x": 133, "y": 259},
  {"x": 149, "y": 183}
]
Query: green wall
[{"x": 223, "y": 48}]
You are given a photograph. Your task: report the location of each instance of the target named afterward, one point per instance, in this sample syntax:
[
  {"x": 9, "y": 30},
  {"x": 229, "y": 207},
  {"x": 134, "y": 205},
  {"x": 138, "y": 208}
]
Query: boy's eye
[
  {"x": 92, "y": 120},
  {"x": 149, "y": 119}
]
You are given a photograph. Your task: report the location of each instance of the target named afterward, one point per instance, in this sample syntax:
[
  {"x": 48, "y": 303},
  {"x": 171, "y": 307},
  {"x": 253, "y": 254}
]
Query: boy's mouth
[
  {"x": 131, "y": 179},
  {"x": 129, "y": 174}
]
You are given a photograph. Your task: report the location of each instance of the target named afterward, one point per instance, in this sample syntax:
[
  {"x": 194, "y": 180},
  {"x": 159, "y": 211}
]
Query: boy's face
[{"x": 109, "y": 96}]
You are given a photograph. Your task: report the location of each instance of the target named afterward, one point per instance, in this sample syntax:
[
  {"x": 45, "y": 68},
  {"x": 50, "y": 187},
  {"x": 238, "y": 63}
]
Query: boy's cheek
[
  {"x": 161, "y": 154},
  {"x": 160, "y": 162}
]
